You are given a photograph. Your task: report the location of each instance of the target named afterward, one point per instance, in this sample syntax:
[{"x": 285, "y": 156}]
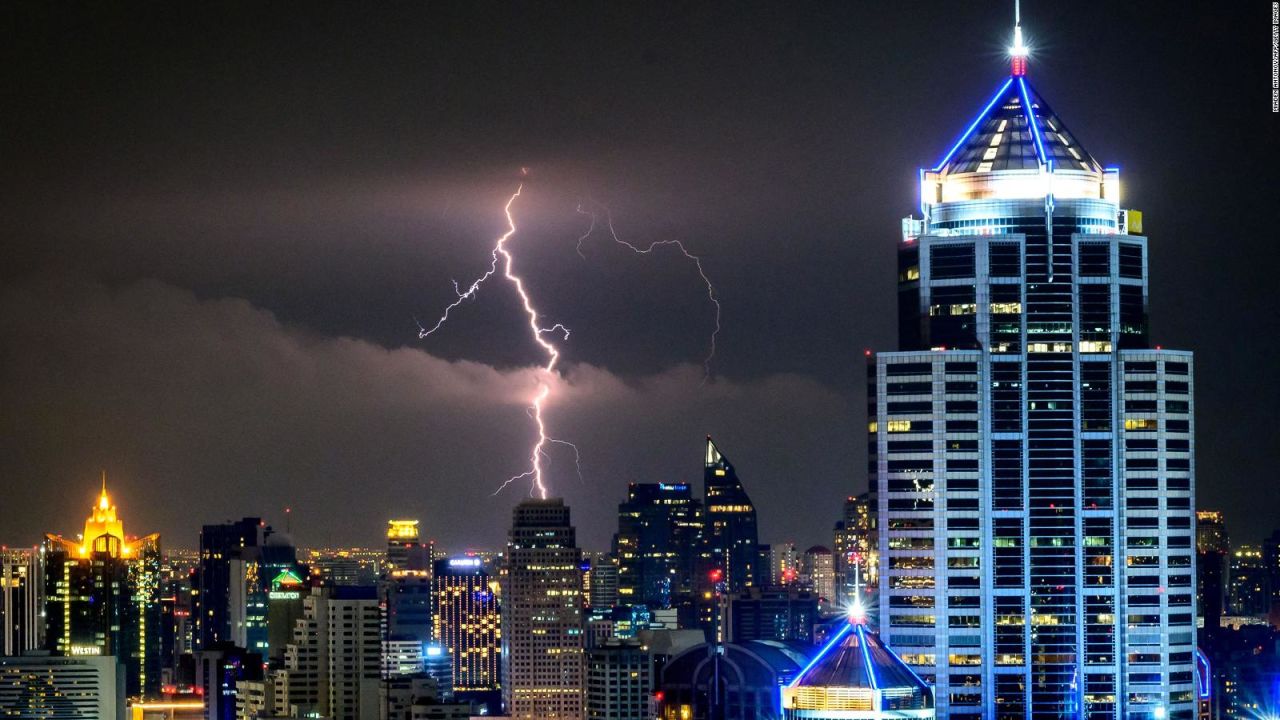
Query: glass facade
[{"x": 1032, "y": 457}]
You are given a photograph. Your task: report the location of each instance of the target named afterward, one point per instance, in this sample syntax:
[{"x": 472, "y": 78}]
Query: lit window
[{"x": 990, "y": 154}]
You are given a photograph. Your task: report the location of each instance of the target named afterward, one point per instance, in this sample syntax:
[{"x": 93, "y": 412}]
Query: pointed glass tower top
[
  {"x": 1017, "y": 130},
  {"x": 1017, "y": 148}
]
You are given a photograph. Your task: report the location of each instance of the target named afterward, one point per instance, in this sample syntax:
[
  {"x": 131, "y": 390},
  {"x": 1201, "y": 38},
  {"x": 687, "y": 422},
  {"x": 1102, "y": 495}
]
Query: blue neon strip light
[
  {"x": 821, "y": 654},
  {"x": 1204, "y": 674},
  {"x": 974, "y": 126},
  {"x": 866, "y": 657},
  {"x": 1031, "y": 120}
]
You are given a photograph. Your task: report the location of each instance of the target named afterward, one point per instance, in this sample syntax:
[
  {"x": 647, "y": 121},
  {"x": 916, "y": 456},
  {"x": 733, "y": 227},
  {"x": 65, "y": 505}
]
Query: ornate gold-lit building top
[
  {"x": 103, "y": 532},
  {"x": 402, "y": 530}
]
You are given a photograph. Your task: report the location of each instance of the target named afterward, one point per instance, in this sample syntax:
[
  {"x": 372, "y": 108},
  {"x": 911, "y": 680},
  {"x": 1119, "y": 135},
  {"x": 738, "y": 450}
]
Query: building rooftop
[
  {"x": 856, "y": 672},
  {"x": 1017, "y": 130}
]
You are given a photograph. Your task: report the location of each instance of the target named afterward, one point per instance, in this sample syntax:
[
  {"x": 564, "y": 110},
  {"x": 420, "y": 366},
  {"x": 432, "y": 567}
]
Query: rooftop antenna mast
[{"x": 1018, "y": 53}]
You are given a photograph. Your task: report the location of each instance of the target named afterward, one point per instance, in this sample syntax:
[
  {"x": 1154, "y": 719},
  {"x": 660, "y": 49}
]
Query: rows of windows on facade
[{"x": 1029, "y": 546}]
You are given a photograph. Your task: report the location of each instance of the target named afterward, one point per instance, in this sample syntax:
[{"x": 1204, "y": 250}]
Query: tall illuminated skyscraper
[
  {"x": 467, "y": 624},
  {"x": 1033, "y": 455},
  {"x": 542, "y": 626},
  {"x": 102, "y": 596},
  {"x": 731, "y": 533}
]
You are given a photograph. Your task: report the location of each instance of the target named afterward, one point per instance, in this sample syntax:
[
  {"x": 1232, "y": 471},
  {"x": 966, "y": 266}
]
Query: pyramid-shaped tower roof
[
  {"x": 1016, "y": 130},
  {"x": 855, "y": 671}
]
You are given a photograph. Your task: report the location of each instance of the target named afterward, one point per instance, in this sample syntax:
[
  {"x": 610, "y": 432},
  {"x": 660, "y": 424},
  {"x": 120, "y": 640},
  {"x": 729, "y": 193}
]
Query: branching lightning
[
  {"x": 548, "y": 373},
  {"x": 697, "y": 262}
]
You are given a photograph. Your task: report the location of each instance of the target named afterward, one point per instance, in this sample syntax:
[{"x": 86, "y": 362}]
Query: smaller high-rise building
[
  {"x": 788, "y": 613},
  {"x": 1213, "y": 550},
  {"x": 21, "y": 597},
  {"x": 225, "y": 582},
  {"x": 784, "y": 564},
  {"x": 221, "y": 672},
  {"x": 660, "y": 534},
  {"x": 332, "y": 667},
  {"x": 1250, "y": 585},
  {"x": 819, "y": 573},
  {"x": 406, "y": 550},
  {"x": 49, "y": 687},
  {"x": 468, "y": 627},
  {"x": 731, "y": 534},
  {"x": 542, "y": 619},
  {"x": 600, "y": 580},
  {"x": 619, "y": 681},
  {"x": 407, "y": 594},
  {"x": 854, "y": 552}
]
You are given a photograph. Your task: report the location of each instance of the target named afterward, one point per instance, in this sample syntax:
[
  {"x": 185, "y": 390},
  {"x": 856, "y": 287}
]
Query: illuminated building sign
[
  {"x": 85, "y": 650},
  {"x": 284, "y": 595}
]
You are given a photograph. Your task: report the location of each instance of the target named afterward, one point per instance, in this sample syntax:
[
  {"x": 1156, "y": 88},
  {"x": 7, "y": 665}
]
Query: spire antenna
[{"x": 1017, "y": 53}]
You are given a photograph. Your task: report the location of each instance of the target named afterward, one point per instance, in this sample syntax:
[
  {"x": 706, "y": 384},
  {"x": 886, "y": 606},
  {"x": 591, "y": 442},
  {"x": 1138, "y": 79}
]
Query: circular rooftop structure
[{"x": 855, "y": 677}]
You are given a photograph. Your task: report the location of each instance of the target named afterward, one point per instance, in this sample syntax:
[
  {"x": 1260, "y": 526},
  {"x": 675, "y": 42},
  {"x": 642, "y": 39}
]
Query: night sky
[{"x": 220, "y": 222}]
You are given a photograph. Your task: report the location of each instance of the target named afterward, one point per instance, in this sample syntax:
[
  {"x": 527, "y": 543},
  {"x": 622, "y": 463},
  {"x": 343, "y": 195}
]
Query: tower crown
[
  {"x": 103, "y": 521},
  {"x": 1017, "y": 148}
]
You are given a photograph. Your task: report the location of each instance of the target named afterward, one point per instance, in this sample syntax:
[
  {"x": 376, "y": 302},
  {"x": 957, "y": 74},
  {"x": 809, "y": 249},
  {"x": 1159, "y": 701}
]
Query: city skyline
[{"x": 278, "y": 393}]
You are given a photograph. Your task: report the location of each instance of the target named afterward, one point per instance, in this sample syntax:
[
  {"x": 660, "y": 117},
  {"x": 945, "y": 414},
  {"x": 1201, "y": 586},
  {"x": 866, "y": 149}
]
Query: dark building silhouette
[
  {"x": 769, "y": 614},
  {"x": 660, "y": 534},
  {"x": 220, "y": 545},
  {"x": 1212, "y": 552},
  {"x": 730, "y": 681},
  {"x": 732, "y": 538}
]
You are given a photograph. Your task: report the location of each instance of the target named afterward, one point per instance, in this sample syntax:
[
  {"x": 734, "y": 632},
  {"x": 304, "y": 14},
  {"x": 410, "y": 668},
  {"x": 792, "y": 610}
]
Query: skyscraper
[
  {"x": 332, "y": 667},
  {"x": 600, "y": 579},
  {"x": 783, "y": 613},
  {"x": 659, "y": 537},
  {"x": 542, "y": 627},
  {"x": 819, "y": 573},
  {"x": 467, "y": 624},
  {"x": 1032, "y": 455},
  {"x": 1250, "y": 588},
  {"x": 1212, "y": 552},
  {"x": 731, "y": 534},
  {"x": 21, "y": 595},
  {"x": 225, "y": 579},
  {"x": 619, "y": 680},
  {"x": 856, "y": 553},
  {"x": 102, "y": 596},
  {"x": 405, "y": 548}
]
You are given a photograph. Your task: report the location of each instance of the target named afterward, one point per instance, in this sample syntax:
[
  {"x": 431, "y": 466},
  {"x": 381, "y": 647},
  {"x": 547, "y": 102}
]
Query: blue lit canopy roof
[
  {"x": 857, "y": 674},
  {"x": 1008, "y": 136}
]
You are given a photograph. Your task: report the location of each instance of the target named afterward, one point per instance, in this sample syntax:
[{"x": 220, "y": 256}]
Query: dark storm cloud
[
  {"x": 335, "y": 167},
  {"x": 210, "y": 409}
]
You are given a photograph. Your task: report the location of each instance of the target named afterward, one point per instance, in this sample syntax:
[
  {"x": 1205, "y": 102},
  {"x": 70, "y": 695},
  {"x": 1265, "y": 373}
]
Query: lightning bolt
[
  {"x": 696, "y": 259},
  {"x": 500, "y": 255}
]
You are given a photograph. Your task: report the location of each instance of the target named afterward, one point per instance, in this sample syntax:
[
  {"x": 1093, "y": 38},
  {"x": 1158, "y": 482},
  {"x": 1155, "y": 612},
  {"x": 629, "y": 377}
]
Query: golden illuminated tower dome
[{"x": 102, "y": 521}]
